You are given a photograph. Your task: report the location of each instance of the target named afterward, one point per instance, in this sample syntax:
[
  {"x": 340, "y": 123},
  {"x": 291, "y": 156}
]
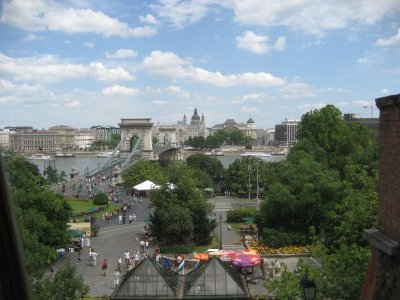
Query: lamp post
[
  {"x": 249, "y": 184},
  {"x": 257, "y": 185},
  {"x": 220, "y": 232},
  {"x": 308, "y": 288}
]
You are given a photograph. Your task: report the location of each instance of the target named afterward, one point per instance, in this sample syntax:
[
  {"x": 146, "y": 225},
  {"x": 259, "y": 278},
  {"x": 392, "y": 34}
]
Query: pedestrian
[
  {"x": 146, "y": 244},
  {"x": 90, "y": 254},
  {"x": 94, "y": 258},
  {"x": 134, "y": 218},
  {"x": 120, "y": 219},
  {"x": 130, "y": 219},
  {"x": 78, "y": 258},
  {"x": 142, "y": 243},
  {"x": 117, "y": 276},
  {"x": 127, "y": 255},
  {"x": 104, "y": 266},
  {"x": 136, "y": 257},
  {"x": 119, "y": 261}
]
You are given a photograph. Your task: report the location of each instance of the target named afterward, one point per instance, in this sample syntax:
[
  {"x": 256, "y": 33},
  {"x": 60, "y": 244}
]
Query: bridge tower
[{"x": 134, "y": 129}]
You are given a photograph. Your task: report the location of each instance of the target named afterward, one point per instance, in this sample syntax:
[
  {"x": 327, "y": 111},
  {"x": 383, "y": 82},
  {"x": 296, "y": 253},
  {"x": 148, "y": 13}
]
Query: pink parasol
[{"x": 246, "y": 259}]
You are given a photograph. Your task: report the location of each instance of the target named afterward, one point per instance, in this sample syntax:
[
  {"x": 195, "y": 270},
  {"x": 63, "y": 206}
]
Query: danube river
[{"x": 85, "y": 163}]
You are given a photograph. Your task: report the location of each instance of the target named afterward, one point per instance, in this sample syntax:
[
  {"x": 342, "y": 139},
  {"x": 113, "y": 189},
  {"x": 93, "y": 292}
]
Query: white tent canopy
[{"x": 146, "y": 186}]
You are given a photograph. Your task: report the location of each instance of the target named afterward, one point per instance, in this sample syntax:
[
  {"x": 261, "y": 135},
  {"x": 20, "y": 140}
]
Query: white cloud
[
  {"x": 280, "y": 44},
  {"x": 308, "y": 107},
  {"x": 168, "y": 64},
  {"x": 313, "y": 17},
  {"x": 31, "y": 37},
  {"x": 252, "y": 42},
  {"x": 159, "y": 102},
  {"x": 254, "y": 97},
  {"x": 297, "y": 90},
  {"x": 385, "y": 91},
  {"x": 73, "y": 104},
  {"x": 48, "y": 68},
  {"x": 251, "y": 110},
  {"x": 363, "y": 60},
  {"x": 88, "y": 45},
  {"x": 363, "y": 103},
  {"x": 121, "y": 53},
  {"x": 120, "y": 90},
  {"x": 258, "y": 43},
  {"x": 42, "y": 15},
  {"x": 392, "y": 41},
  {"x": 148, "y": 19},
  {"x": 182, "y": 13},
  {"x": 332, "y": 90},
  {"x": 178, "y": 91}
]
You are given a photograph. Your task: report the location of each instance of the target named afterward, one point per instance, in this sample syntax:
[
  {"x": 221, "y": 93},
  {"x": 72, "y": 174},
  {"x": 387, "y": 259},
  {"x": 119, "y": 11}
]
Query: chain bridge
[{"x": 138, "y": 141}]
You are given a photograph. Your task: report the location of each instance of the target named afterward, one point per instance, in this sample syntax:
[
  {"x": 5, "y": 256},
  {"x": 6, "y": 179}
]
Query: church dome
[
  {"x": 250, "y": 121},
  {"x": 195, "y": 116}
]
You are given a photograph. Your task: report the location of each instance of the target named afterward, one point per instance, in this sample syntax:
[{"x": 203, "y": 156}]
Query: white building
[
  {"x": 84, "y": 138},
  {"x": 5, "y": 139},
  {"x": 249, "y": 129}
]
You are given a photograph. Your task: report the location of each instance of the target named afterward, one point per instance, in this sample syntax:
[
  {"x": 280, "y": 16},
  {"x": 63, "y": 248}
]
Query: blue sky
[{"x": 84, "y": 63}]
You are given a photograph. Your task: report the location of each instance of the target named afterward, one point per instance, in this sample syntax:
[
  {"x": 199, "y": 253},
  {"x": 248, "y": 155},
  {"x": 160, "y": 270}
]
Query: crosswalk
[{"x": 224, "y": 206}]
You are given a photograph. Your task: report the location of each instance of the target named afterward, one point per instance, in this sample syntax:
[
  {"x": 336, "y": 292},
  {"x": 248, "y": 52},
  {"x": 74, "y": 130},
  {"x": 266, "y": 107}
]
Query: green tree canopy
[{"x": 143, "y": 170}]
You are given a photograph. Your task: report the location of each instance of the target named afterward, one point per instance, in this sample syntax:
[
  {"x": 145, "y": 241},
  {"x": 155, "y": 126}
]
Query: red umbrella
[{"x": 246, "y": 259}]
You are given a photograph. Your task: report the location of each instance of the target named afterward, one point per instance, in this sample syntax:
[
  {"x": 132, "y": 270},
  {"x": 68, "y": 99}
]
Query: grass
[
  {"x": 79, "y": 205},
  {"x": 214, "y": 245}
]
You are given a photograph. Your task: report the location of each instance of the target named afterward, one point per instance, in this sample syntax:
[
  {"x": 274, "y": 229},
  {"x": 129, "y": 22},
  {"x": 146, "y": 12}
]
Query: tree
[
  {"x": 41, "y": 214},
  {"x": 210, "y": 165},
  {"x": 64, "y": 285},
  {"x": 182, "y": 205},
  {"x": 237, "y": 175},
  {"x": 143, "y": 170},
  {"x": 100, "y": 199},
  {"x": 172, "y": 224}
]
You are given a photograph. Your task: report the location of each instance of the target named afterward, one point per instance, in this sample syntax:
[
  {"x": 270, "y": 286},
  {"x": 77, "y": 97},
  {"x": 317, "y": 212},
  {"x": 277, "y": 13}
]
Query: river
[{"x": 86, "y": 162}]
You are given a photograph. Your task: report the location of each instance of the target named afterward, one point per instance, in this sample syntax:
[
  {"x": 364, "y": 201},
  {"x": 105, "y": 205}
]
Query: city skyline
[{"x": 85, "y": 63}]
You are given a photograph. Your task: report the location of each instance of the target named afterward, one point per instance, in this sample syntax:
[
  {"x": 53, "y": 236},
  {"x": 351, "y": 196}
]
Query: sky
[{"x": 85, "y": 63}]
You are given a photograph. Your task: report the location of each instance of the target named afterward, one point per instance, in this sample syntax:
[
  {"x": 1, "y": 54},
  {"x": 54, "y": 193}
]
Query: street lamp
[
  {"x": 308, "y": 288},
  {"x": 257, "y": 185},
  {"x": 220, "y": 232},
  {"x": 249, "y": 184}
]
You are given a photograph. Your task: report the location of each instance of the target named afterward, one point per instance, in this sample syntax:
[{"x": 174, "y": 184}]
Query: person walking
[
  {"x": 104, "y": 266},
  {"x": 119, "y": 261},
  {"x": 142, "y": 243},
  {"x": 94, "y": 258},
  {"x": 117, "y": 276}
]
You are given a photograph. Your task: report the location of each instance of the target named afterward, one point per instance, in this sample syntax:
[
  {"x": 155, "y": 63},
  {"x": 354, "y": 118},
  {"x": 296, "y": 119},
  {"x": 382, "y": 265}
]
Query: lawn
[{"x": 80, "y": 205}]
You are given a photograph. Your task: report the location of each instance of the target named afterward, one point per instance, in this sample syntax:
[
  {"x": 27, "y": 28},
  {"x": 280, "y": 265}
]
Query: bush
[
  {"x": 237, "y": 215},
  {"x": 170, "y": 249},
  {"x": 100, "y": 199},
  {"x": 277, "y": 238}
]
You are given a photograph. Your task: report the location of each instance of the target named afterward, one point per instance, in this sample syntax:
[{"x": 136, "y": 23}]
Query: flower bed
[{"x": 289, "y": 250}]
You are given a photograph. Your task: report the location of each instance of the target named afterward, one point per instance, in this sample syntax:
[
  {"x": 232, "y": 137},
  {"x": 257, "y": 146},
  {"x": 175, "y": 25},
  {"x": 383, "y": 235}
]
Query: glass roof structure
[{"x": 152, "y": 280}]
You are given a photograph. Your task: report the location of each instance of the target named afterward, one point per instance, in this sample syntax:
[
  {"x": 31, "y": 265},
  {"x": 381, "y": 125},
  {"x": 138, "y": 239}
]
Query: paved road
[{"x": 114, "y": 239}]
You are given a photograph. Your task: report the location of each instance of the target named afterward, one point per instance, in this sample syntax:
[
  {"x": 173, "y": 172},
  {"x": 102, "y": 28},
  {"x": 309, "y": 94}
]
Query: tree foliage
[
  {"x": 328, "y": 183},
  {"x": 180, "y": 211},
  {"x": 100, "y": 199},
  {"x": 63, "y": 286},
  {"x": 143, "y": 170},
  {"x": 211, "y": 166},
  {"x": 41, "y": 214}
]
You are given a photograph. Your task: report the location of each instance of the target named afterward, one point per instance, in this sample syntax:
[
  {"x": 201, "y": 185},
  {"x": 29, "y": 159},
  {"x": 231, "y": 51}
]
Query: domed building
[
  {"x": 249, "y": 128},
  {"x": 197, "y": 127}
]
